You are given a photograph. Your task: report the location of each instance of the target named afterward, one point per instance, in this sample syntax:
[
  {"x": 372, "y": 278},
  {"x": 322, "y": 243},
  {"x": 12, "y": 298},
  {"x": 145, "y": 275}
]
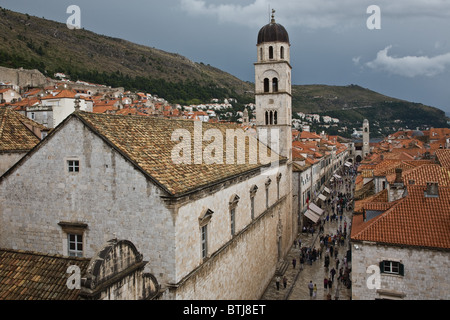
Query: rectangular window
[
  {"x": 75, "y": 245},
  {"x": 232, "y": 216},
  {"x": 267, "y": 197},
  {"x": 73, "y": 165},
  {"x": 204, "y": 231},
  {"x": 252, "y": 207},
  {"x": 278, "y": 190},
  {"x": 392, "y": 267}
]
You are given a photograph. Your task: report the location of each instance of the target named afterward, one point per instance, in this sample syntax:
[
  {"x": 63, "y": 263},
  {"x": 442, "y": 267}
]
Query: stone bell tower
[
  {"x": 366, "y": 138},
  {"x": 273, "y": 84}
]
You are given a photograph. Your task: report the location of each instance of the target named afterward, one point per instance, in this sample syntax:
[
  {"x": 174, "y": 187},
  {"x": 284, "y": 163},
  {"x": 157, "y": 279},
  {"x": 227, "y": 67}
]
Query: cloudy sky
[{"x": 401, "y": 50}]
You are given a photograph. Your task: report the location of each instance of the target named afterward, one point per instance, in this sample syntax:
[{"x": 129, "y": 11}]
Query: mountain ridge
[{"x": 31, "y": 42}]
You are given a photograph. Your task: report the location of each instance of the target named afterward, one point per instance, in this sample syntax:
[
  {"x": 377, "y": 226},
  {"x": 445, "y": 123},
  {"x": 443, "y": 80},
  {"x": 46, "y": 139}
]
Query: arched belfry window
[
  {"x": 270, "y": 52},
  {"x": 275, "y": 117},
  {"x": 261, "y": 56},
  {"x": 275, "y": 85},
  {"x": 266, "y": 85},
  {"x": 267, "y": 117},
  {"x": 282, "y": 52}
]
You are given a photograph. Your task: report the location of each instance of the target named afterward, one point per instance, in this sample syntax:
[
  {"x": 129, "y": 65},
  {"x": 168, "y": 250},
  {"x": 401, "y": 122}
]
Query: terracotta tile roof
[
  {"x": 28, "y": 275},
  {"x": 414, "y": 220},
  {"x": 297, "y": 155},
  {"x": 426, "y": 173},
  {"x": 379, "y": 198},
  {"x": 103, "y": 109},
  {"x": 443, "y": 156},
  {"x": 65, "y": 93},
  {"x": 146, "y": 141},
  {"x": 309, "y": 135},
  {"x": 14, "y": 133}
]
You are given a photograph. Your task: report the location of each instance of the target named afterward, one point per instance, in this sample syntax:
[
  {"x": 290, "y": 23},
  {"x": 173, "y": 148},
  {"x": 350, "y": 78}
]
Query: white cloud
[
  {"x": 410, "y": 66},
  {"x": 356, "y": 60}
]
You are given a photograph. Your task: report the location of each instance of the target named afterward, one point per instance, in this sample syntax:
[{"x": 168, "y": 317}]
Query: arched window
[
  {"x": 275, "y": 85},
  {"x": 267, "y": 117},
  {"x": 282, "y": 52},
  {"x": 270, "y": 52},
  {"x": 261, "y": 57},
  {"x": 271, "y": 117},
  {"x": 275, "y": 117},
  {"x": 266, "y": 85}
]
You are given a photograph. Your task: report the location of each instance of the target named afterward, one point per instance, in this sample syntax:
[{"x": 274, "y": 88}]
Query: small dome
[
  {"x": 273, "y": 32},
  {"x": 417, "y": 133}
]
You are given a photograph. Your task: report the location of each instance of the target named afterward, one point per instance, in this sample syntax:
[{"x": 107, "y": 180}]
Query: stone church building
[{"x": 208, "y": 227}]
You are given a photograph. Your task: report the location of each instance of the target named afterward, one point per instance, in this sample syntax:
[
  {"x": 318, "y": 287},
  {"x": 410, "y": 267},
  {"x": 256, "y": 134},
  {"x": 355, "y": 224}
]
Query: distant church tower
[
  {"x": 273, "y": 84},
  {"x": 366, "y": 137},
  {"x": 245, "y": 118}
]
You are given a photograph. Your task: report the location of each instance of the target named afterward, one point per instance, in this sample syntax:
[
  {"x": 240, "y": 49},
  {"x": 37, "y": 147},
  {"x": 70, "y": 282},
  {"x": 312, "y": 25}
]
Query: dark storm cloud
[{"x": 331, "y": 44}]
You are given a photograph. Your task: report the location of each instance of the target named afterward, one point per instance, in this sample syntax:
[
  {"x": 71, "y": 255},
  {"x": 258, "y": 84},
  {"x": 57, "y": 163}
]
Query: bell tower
[
  {"x": 366, "y": 138},
  {"x": 273, "y": 85}
]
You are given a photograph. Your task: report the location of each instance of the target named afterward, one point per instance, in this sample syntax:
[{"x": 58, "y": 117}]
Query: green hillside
[{"x": 36, "y": 43}]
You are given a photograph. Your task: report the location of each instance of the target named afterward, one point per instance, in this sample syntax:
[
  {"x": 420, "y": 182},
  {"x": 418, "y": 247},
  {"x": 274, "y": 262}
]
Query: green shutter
[
  {"x": 401, "y": 269},
  {"x": 382, "y": 267}
]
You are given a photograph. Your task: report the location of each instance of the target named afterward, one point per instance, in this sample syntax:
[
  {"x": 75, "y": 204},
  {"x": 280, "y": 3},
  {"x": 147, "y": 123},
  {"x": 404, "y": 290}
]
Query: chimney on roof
[
  {"x": 77, "y": 102},
  {"x": 432, "y": 190},
  {"x": 398, "y": 175}
]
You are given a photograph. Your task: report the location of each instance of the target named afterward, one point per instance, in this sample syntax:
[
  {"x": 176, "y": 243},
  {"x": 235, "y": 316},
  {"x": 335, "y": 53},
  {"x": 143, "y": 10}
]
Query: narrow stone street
[{"x": 298, "y": 277}]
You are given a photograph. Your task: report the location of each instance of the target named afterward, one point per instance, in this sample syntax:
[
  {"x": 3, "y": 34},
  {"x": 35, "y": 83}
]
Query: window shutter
[
  {"x": 401, "y": 269},
  {"x": 382, "y": 267}
]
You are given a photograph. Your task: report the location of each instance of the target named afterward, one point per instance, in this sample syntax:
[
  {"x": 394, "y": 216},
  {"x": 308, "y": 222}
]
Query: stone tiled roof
[
  {"x": 146, "y": 142},
  {"x": 415, "y": 220},
  {"x": 28, "y": 275},
  {"x": 14, "y": 133}
]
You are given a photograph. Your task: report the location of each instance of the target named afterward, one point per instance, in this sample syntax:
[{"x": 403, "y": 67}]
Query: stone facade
[
  {"x": 424, "y": 278},
  {"x": 8, "y": 159},
  {"x": 116, "y": 273},
  {"x": 23, "y": 78},
  {"x": 108, "y": 194},
  {"x": 109, "y": 198}
]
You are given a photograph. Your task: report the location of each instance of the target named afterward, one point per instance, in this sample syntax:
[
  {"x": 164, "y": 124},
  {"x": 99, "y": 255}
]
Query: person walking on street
[
  {"x": 325, "y": 283},
  {"x": 294, "y": 262},
  {"x": 285, "y": 282},
  {"x": 332, "y": 273},
  {"x": 277, "y": 281},
  {"x": 315, "y": 291},
  {"x": 311, "y": 288}
]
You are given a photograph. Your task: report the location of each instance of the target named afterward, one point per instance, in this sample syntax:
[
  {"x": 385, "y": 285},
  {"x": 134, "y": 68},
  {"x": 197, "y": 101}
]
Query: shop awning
[
  {"x": 337, "y": 176},
  {"x": 326, "y": 190},
  {"x": 348, "y": 164},
  {"x": 313, "y": 207},
  {"x": 322, "y": 197},
  {"x": 312, "y": 216}
]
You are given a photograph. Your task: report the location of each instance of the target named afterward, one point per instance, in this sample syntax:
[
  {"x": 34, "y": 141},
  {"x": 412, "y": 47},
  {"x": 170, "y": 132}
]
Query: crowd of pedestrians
[{"x": 332, "y": 248}]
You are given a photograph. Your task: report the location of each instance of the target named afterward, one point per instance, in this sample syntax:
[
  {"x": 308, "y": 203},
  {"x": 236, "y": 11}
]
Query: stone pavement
[{"x": 298, "y": 279}]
